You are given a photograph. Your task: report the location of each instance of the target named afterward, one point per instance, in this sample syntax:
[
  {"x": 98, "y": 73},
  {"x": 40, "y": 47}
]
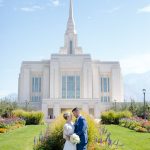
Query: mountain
[
  {"x": 133, "y": 85},
  {"x": 11, "y": 97}
]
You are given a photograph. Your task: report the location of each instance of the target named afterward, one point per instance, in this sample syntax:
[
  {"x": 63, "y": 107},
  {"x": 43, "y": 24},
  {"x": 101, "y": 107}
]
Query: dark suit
[{"x": 81, "y": 131}]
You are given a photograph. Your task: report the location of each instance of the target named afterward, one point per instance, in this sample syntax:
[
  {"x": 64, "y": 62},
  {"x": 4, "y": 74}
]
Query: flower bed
[
  {"x": 137, "y": 124},
  {"x": 10, "y": 124}
]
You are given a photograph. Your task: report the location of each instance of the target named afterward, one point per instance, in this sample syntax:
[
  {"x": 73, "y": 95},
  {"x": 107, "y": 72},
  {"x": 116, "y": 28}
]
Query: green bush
[
  {"x": 55, "y": 140},
  {"x": 136, "y": 108},
  {"x": 6, "y": 108},
  {"x": 112, "y": 117},
  {"x": 108, "y": 117},
  {"x": 31, "y": 118},
  {"x": 19, "y": 113}
]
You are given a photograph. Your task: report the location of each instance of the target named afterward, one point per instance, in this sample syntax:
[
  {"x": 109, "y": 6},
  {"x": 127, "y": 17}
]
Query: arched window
[{"x": 71, "y": 47}]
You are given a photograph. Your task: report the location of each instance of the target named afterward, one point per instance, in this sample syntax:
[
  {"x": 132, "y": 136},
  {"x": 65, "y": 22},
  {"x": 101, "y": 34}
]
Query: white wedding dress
[{"x": 68, "y": 130}]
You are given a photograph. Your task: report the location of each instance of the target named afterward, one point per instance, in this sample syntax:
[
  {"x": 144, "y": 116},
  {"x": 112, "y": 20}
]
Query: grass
[
  {"x": 20, "y": 139},
  {"x": 132, "y": 140}
]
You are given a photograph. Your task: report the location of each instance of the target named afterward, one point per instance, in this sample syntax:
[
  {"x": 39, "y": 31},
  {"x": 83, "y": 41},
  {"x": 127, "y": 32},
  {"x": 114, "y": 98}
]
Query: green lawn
[
  {"x": 20, "y": 139},
  {"x": 132, "y": 140}
]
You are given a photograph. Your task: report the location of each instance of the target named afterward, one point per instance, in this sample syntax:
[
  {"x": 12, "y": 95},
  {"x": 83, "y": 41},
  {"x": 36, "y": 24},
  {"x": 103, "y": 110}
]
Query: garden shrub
[
  {"x": 6, "y": 108},
  {"x": 146, "y": 125},
  {"x": 140, "y": 129},
  {"x": 31, "y": 118},
  {"x": 137, "y": 124},
  {"x": 19, "y": 113},
  {"x": 112, "y": 117}
]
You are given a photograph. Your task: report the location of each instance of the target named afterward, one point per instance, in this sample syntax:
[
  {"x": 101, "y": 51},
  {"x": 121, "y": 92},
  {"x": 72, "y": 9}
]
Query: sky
[{"x": 113, "y": 30}]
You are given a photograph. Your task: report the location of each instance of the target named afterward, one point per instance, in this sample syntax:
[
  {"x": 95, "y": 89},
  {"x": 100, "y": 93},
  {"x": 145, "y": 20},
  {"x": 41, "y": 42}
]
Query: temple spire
[
  {"x": 71, "y": 39},
  {"x": 71, "y": 23}
]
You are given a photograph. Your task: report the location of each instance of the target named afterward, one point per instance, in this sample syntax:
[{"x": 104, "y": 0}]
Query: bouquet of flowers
[{"x": 74, "y": 139}]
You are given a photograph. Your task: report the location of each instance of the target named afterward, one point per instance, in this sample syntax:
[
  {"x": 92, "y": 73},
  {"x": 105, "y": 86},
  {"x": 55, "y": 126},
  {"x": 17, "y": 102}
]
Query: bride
[{"x": 68, "y": 130}]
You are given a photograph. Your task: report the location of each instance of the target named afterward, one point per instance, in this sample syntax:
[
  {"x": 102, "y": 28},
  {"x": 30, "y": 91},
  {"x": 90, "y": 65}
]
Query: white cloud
[
  {"x": 89, "y": 18},
  {"x": 136, "y": 64},
  {"x": 31, "y": 8},
  {"x": 145, "y": 9},
  {"x": 110, "y": 11},
  {"x": 55, "y": 2}
]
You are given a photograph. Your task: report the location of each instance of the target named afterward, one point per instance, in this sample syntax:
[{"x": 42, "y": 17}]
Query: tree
[{"x": 6, "y": 108}]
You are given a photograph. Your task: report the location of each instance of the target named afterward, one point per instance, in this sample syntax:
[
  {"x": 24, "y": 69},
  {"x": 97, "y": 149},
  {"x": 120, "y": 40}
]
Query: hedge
[
  {"x": 31, "y": 118},
  {"x": 112, "y": 117}
]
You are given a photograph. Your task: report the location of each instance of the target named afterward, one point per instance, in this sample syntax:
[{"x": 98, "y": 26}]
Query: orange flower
[{"x": 3, "y": 130}]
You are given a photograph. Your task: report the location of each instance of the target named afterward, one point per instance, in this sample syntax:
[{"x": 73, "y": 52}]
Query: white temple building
[{"x": 70, "y": 79}]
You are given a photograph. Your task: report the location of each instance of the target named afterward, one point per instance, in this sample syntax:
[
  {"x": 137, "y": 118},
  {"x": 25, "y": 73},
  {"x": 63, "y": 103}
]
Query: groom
[{"x": 80, "y": 129}]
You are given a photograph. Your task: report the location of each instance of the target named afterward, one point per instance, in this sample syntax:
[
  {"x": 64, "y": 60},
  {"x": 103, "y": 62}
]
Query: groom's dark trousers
[{"x": 81, "y": 131}]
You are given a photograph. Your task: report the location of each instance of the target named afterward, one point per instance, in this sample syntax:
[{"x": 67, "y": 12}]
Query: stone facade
[{"x": 71, "y": 79}]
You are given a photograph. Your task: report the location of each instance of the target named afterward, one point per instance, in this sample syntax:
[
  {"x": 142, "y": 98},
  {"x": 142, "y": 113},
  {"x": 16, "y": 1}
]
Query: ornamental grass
[{"x": 31, "y": 118}]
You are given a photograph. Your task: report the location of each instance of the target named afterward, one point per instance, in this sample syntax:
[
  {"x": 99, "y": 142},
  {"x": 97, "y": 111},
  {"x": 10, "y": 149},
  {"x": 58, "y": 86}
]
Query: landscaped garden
[
  {"x": 20, "y": 118},
  {"x": 122, "y": 129},
  {"x": 19, "y": 129},
  {"x": 129, "y": 126},
  {"x": 125, "y": 119}
]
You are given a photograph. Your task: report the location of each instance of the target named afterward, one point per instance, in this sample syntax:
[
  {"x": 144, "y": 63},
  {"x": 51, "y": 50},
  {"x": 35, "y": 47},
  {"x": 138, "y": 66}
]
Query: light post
[
  {"x": 115, "y": 104},
  {"x": 27, "y": 103},
  {"x": 144, "y": 92}
]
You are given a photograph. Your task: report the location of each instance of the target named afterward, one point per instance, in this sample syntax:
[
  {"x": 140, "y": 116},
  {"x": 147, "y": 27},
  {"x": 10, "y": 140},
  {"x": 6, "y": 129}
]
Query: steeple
[
  {"x": 71, "y": 40},
  {"x": 71, "y": 23}
]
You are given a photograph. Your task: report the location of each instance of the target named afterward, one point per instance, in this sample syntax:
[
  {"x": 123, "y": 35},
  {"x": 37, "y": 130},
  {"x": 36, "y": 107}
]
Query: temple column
[
  {"x": 45, "y": 110},
  {"x": 46, "y": 91},
  {"x": 56, "y": 110},
  {"x": 96, "y": 111}
]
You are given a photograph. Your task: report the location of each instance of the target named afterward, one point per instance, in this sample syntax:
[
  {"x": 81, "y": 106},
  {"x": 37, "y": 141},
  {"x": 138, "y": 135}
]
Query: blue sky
[{"x": 107, "y": 29}]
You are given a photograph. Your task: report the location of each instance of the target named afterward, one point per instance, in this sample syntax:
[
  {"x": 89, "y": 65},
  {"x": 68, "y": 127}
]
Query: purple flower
[
  {"x": 101, "y": 141},
  {"x": 109, "y": 141}
]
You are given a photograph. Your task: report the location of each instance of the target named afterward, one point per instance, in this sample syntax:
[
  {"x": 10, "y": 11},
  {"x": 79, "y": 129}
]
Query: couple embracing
[{"x": 75, "y": 134}]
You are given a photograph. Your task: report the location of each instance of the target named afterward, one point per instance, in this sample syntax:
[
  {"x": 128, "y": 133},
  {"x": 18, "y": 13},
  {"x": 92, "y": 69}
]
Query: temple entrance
[{"x": 50, "y": 113}]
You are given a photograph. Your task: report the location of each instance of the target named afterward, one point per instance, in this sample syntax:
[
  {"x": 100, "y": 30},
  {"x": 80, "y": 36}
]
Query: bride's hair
[{"x": 66, "y": 115}]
